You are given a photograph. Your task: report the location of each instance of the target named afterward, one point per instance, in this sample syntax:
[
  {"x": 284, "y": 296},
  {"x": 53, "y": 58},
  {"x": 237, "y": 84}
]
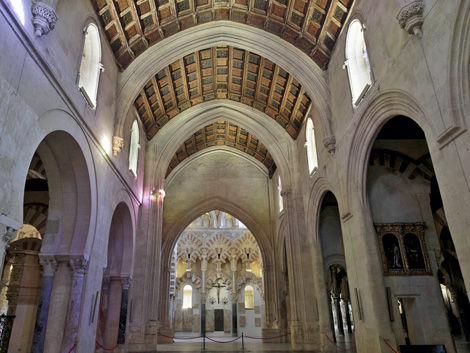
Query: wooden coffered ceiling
[
  {"x": 222, "y": 133},
  {"x": 133, "y": 25},
  {"x": 222, "y": 73}
]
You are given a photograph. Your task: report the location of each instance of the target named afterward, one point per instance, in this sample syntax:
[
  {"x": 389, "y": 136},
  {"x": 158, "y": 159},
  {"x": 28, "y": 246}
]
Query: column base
[
  {"x": 272, "y": 332},
  {"x": 167, "y": 332}
]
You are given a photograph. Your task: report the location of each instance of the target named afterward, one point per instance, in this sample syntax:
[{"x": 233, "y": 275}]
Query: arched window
[
  {"x": 357, "y": 62},
  {"x": 90, "y": 66},
  {"x": 249, "y": 297},
  {"x": 311, "y": 147},
  {"x": 134, "y": 149},
  {"x": 187, "y": 297},
  {"x": 281, "y": 206}
]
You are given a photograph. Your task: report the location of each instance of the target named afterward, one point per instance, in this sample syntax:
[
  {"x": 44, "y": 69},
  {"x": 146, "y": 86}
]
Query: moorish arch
[
  {"x": 161, "y": 151},
  {"x": 209, "y": 35}
]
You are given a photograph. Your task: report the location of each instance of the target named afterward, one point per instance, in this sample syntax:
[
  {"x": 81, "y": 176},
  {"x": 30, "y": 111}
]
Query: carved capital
[
  {"x": 411, "y": 18},
  {"x": 118, "y": 144},
  {"x": 79, "y": 266},
  {"x": 44, "y": 18},
  {"x": 49, "y": 266},
  {"x": 126, "y": 282},
  {"x": 10, "y": 234},
  {"x": 203, "y": 298},
  {"x": 330, "y": 144}
]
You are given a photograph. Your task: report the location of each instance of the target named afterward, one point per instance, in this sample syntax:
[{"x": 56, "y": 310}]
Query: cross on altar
[{"x": 218, "y": 286}]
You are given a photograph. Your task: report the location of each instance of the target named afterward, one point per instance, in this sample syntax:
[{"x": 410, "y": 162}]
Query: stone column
[
  {"x": 347, "y": 314},
  {"x": 103, "y": 310},
  {"x": 79, "y": 267},
  {"x": 23, "y": 292},
  {"x": 112, "y": 323},
  {"x": 234, "y": 314},
  {"x": 49, "y": 266},
  {"x": 233, "y": 267},
  {"x": 203, "y": 293},
  {"x": 126, "y": 283},
  {"x": 8, "y": 230},
  {"x": 203, "y": 313}
]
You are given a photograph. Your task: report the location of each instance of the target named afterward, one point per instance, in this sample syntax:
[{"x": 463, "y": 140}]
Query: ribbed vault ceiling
[
  {"x": 222, "y": 133},
  {"x": 222, "y": 73},
  {"x": 311, "y": 25}
]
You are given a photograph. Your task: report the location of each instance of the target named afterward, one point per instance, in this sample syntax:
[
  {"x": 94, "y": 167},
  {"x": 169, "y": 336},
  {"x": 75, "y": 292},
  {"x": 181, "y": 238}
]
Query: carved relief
[
  {"x": 44, "y": 18},
  {"x": 411, "y": 18}
]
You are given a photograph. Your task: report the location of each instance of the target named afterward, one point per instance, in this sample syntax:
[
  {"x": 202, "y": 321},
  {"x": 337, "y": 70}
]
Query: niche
[{"x": 403, "y": 249}]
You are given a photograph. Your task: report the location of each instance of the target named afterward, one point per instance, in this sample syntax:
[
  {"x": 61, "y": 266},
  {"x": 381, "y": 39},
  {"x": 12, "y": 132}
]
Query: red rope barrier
[
  {"x": 343, "y": 349},
  {"x": 75, "y": 345},
  {"x": 179, "y": 338},
  {"x": 389, "y": 346},
  {"x": 223, "y": 342},
  {"x": 111, "y": 349},
  {"x": 268, "y": 338}
]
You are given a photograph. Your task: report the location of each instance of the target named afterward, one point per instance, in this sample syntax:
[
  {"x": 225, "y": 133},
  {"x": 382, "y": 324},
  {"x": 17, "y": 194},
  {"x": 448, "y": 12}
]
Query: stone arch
[
  {"x": 200, "y": 154},
  {"x": 215, "y": 276},
  {"x": 382, "y": 109},
  {"x": 172, "y": 235},
  {"x": 254, "y": 281},
  {"x": 227, "y": 33},
  {"x": 120, "y": 242},
  {"x": 275, "y": 138},
  {"x": 459, "y": 74},
  {"x": 188, "y": 276}
]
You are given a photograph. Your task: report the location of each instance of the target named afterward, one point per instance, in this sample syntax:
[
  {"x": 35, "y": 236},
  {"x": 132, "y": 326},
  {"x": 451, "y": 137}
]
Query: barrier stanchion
[
  {"x": 210, "y": 339},
  {"x": 341, "y": 348},
  {"x": 389, "y": 346},
  {"x": 204, "y": 342},
  {"x": 243, "y": 342}
]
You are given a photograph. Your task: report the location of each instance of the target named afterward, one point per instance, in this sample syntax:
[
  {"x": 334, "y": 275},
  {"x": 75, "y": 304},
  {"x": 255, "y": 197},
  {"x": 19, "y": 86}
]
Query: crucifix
[{"x": 218, "y": 286}]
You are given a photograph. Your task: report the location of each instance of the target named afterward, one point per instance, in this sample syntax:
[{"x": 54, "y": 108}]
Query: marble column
[
  {"x": 126, "y": 283},
  {"x": 203, "y": 293},
  {"x": 203, "y": 314},
  {"x": 79, "y": 267},
  {"x": 49, "y": 266},
  {"x": 233, "y": 267},
  {"x": 103, "y": 314},
  {"x": 234, "y": 315}
]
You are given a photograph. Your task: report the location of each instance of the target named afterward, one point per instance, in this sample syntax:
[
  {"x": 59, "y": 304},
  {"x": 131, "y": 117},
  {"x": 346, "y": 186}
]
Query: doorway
[{"x": 219, "y": 320}]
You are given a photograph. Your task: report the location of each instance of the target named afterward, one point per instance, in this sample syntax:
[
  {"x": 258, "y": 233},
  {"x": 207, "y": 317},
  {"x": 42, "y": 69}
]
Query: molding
[
  {"x": 44, "y": 18},
  {"x": 411, "y": 18}
]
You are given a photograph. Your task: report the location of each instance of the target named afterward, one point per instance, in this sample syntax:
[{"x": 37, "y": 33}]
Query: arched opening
[
  {"x": 311, "y": 147},
  {"x": 90, "y": 66},
  {"x": 56, "y": 217},
  {"x": 412, "y": 236},
  {"x": 113, "y": 308},
  {"x": 335, "y": 270},
  {"x": 215, "y": 264},
  {"x": 357, "y": 61}
]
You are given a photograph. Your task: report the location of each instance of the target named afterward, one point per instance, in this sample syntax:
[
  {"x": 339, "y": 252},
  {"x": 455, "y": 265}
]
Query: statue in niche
[
  {"x": 392, "y": 252},
  {"x": 414, "y": 253}
]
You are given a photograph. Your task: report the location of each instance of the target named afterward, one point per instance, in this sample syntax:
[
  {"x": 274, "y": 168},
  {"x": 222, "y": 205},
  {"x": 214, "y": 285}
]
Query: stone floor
[{"x": 252, "y": 345}]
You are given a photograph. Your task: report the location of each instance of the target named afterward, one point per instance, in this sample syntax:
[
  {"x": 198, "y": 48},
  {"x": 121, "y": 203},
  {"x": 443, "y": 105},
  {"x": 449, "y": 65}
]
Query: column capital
[
  {"x": 79, "y": 266},
  {"x": 126, "y": 282},
  {"x": 330, "y": 144},
  {"x": 118, "y": 144},
  {"x": 411, "y": 17},
  {"x": 49, "y": 266},
  {"x": 44, "y": 18}
]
